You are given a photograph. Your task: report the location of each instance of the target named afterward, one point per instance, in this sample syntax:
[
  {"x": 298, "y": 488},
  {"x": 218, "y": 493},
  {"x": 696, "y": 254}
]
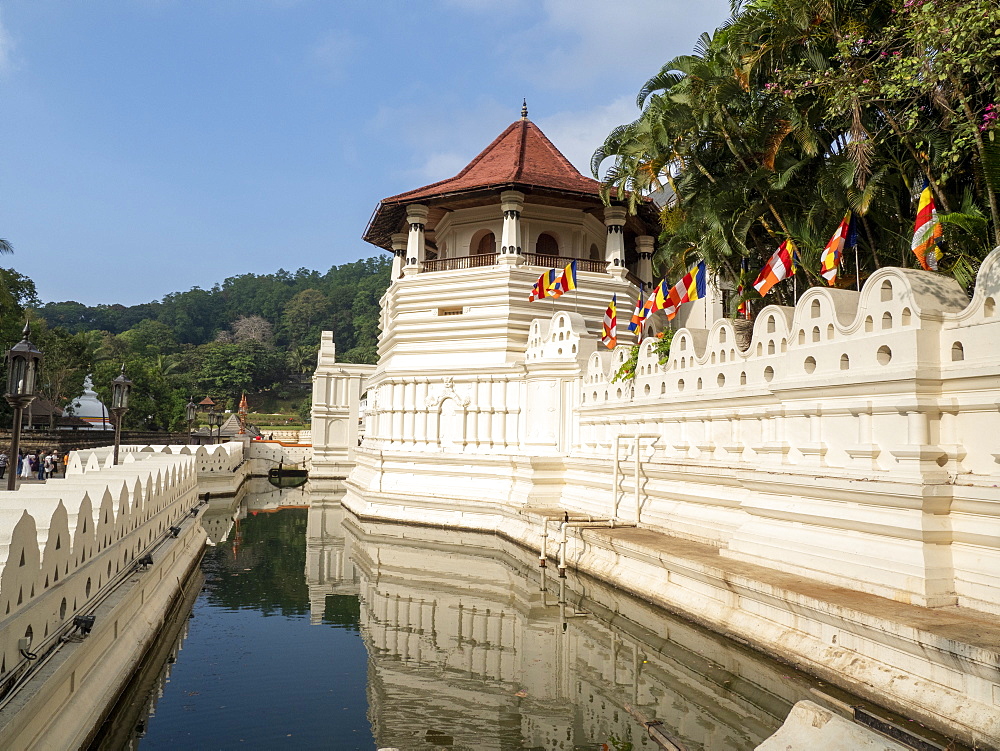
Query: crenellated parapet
[
  {"x": 853, "y": 438},
  {"x": 65, "y": 544}
]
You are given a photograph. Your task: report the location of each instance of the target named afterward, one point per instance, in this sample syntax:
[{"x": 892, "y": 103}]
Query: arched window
[
  {"x": 595, "y": 253},
  {"x": 486, "y": 245},
  {"x": 546, "y": 245}
]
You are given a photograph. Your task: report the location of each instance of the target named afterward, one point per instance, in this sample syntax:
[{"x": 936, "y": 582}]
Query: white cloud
[
  {"x": 6, "y": 49},
  {"x": 582, "y": 43},
  {"x": 440, "y": 136},
  {"x": 441, "y": 165},
  {"x": 578, "y": 134},
  {"x": 335, "y": 52}
]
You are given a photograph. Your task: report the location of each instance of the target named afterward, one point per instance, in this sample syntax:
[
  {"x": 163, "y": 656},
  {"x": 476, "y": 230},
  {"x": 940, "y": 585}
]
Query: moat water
[{"x": 314, "y": 630}]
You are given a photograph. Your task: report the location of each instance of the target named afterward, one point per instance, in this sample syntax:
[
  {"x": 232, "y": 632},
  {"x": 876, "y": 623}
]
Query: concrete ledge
[
  {"x": 938, "y": 666},
  {"x": 809, "y": 727}
]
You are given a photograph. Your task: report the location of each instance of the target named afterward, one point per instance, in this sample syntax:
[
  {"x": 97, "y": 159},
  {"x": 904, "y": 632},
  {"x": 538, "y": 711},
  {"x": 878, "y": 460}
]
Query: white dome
[{"x": 87, "y": 405}]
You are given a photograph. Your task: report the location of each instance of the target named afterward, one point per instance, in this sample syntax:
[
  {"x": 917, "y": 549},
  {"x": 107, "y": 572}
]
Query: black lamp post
[
  {"x": 121, "y": 390},
  {"x": 190, "y": 411},
  {"x": 215, "y": 420},
  {"x": 24, "y": 360}
]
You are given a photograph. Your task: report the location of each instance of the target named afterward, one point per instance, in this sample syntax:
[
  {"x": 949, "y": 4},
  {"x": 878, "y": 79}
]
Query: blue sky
[{"x": 149, "y": 146}]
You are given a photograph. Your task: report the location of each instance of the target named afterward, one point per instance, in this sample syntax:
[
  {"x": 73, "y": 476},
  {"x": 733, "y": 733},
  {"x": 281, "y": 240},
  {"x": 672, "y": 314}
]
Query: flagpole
[{"x": 857, "y": 266}]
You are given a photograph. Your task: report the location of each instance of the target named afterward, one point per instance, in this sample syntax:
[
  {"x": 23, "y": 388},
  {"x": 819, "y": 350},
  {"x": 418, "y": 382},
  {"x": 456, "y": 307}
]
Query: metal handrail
[
  {"x": 557, "y": 262},
  {"x": 530, "y": 259},
  {"x": 463, "y": 262}
]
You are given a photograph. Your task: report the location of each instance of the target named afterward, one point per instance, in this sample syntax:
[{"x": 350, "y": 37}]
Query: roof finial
[{"x": 524, "y": 109}]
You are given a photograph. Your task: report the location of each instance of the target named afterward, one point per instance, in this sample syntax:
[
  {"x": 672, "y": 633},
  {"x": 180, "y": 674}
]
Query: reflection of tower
[
  {"x": 468, "y": 648},
  {"x": 329, "y": 568},
  {"x": 464, "y": 651}
]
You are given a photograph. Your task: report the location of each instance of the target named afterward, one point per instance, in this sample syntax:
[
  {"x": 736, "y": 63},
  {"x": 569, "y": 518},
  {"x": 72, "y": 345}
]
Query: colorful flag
[
  {"x": 609, "y": 331},
  {"x": 567, "y": 282},
  {"x": 843, "y": 239},
  {"x": 638, "y": 315},
  {"x": 656, "y": 300},
  {"x": 927, "y": 231},
  {"x": 544, "y": 287},
  {"x": 690, "y": 288},
  {"x": 743, "y": 309},
  {"x": 779, "y": 267}
]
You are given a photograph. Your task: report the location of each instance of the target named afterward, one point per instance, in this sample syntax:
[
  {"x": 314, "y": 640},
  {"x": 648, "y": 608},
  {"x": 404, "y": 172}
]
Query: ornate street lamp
[
  {"x": 215, "y": 420},
  {"x": 190, "y": 411},
  {"x": 121, "y": 390},
  {"x": 24, "y": 361}
]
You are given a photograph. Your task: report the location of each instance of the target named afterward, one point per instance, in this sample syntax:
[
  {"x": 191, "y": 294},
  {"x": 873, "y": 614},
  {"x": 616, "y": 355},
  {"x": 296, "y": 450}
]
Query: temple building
[{"x": 819, "y": 483}]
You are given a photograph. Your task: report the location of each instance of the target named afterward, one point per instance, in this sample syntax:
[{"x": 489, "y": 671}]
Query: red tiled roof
[
  {"x": 520, "y": 155},
  {"x": 520, "y": 158}
]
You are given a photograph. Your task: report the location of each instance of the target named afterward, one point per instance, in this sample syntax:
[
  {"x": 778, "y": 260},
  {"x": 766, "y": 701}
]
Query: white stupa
[{"x": 89, "y": 408}]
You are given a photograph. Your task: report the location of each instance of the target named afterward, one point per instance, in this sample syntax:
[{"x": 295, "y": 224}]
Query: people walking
[
  {"x": 40, "y": 465},
  {"x": 3, "y": 464},
  {"x": 49, "y": 464},
  {"x": 28, "y": 467}
]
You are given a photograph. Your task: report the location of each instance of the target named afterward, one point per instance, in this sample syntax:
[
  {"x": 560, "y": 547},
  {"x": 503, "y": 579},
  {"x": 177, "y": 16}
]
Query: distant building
[{"x": 90, "y": 409}]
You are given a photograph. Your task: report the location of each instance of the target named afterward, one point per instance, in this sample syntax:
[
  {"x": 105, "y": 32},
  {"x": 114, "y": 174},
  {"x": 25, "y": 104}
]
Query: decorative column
[
  {"x": 917, "y": 456},
  {"x": 384, "y": 411},
  {"x": 485, "y": 404},
  {"x": 614, "y": 251},
  {"x": 644, "y": 244},
  {"x": 420, "y": 405},
  {"x": 409, "y": 412},
  {"x": 814, "y": 451},
  {"x": 398, "y": 255},
  {"x": 864, "y": 452},
  {"x": 397, "y": 413},
  {"x": 416, "y": 217},
  {"x": 511, "y": 203},
  {"x": 498, "y": 418}
]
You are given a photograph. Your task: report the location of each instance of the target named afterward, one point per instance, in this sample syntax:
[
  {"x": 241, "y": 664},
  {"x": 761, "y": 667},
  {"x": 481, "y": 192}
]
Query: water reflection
[
  {"x": 470, "y": 647},
  {"x": 420, "y": 638}
]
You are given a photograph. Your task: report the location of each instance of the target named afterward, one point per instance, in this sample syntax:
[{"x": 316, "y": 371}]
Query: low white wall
[
  {"x": 72, "y": 547},
  {"x": 853, "y": 438}
]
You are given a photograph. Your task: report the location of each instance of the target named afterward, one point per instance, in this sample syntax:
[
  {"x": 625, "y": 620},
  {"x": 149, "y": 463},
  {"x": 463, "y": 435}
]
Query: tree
[
  {"x": 304, "y": 317},
  {"x": 252, "y": 329},
  {"x": 66, "y": 364},
  {"x": 150, "y": 339},
  {"x": 796, "y": 111}
]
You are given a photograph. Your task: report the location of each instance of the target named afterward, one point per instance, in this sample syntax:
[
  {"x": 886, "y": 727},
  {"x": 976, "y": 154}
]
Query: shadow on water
[{"x": 315, "y": 629}]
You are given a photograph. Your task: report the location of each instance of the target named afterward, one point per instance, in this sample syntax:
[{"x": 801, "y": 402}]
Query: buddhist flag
[
  {"x": 638, "y": 315},
  {"x": 656, "y": 301},
  {"x": 842, "y": 240},
  {"x": 544, "y": 287},
  {"x": 609, "y": 331},
  {"x": 780, "y": 266},
  {"x": 567, "y": 282},
  {"x": 743, "y": 309},
  {"x": 690, "y": 288},
  {"x": 927, "y": 231}
]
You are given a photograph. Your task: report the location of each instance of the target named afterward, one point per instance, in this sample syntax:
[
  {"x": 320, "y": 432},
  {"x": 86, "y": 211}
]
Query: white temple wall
[
  {"x": 336, "y": 410},
  {"x": 72, "y": 547},
  {"x": 853, "y": 438},
  {"x": 852, "y": 430}
]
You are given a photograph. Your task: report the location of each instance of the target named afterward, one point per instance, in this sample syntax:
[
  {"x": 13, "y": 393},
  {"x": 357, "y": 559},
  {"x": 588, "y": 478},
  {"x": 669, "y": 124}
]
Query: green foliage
[
  {"x": 627, "y": 371},
  {"x": 305, "y": 410},
  {"x": 662, "y": 347},
  {"x": 253, "y": 334},
  {"x": 796, "y": 111}
]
